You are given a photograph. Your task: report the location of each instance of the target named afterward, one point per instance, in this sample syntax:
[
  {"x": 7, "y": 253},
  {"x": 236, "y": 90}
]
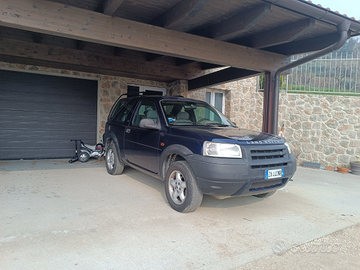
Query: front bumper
[{"x": 236, "y": 177}]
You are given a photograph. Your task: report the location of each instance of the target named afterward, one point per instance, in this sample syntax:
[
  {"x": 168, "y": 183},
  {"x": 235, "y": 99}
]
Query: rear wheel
[
  {"x": 113, "y": 164},
  {"x": 181, "y": 188},
  {"x": 265, "y": 195}
]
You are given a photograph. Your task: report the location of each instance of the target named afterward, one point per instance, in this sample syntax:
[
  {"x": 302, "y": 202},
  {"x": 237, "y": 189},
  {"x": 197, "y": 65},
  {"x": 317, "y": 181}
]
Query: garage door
[{"x": 40, "y": 114}]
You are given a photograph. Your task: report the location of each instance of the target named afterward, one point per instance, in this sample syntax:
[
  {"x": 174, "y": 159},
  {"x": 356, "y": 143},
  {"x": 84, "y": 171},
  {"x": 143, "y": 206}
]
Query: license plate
[{"x": 270, "y": 174}]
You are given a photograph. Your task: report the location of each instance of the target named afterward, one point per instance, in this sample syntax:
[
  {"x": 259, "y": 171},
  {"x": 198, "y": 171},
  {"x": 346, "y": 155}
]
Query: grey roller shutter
[{"x": 40, "y": 114}]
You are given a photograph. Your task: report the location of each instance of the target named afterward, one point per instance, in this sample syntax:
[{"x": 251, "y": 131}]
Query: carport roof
[{"x": 204, "y": 41}]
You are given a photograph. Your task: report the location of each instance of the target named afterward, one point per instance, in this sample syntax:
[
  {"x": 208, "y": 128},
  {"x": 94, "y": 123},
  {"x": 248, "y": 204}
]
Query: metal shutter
[{"x": 40, "y": 114}]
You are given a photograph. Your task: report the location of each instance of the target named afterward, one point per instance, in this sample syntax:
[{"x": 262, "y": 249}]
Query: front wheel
[
  {"x": 84, "y": 156},
  {"x": 182, "y": 191},
  {"x": 113, "y": 164}
]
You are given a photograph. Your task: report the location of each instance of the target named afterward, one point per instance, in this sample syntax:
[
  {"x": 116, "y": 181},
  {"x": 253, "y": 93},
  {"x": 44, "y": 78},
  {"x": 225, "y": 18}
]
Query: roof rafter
[
  {"x": 239, "y": 23},
  {"x": 71, "y": 22},
  {"x": 153, "y": 57},
  {"x": 282, "y": 34},
  {"x": 219, "y": 77},
  {"x": 80, "y": 44},
  {"x": 180, "y": 61},
  {"x": 110, "y": 6},
  {"x": 205, "y": 66},
  {"x": 306, "y": 45},
  {"x": 182, "y": 10},
  {"x": 118, "y": 51},
  {"x": 37, "y": 37},
  {"x": 89, "y": 60}
]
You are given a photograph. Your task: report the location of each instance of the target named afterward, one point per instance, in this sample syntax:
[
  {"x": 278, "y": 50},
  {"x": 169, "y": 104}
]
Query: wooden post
[{"x": 271, "y": 103}]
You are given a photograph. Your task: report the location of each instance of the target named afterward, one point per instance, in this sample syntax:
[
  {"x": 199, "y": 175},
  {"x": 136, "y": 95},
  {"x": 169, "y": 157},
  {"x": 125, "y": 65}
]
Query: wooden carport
[{"x": 206, "y": 42}]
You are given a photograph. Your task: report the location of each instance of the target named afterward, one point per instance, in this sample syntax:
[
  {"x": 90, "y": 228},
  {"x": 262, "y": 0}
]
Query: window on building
[
  {"x": 216, "y": 99},
  {"x": 145, "y": 90}
]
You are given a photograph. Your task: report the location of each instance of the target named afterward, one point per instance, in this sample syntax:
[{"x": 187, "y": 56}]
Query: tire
[
  {"x": 355, "y": 168},
  {"x": 181, "y": 189},
  {"x": 84, "y": 156},
  {"x": 265, "y": 195},
  {"x": 113, "y": 164}
]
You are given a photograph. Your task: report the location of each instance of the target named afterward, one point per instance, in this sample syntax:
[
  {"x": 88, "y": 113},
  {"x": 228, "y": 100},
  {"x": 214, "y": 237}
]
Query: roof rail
[{"x": 139, "y": 94}]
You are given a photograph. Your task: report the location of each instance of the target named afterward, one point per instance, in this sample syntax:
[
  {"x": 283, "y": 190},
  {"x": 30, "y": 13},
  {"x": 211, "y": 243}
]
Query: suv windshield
[{"x": 193, "y": 113}]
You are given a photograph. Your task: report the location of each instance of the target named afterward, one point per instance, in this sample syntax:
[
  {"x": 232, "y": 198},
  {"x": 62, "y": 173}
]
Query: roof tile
[{"x": 331, "y": 10}]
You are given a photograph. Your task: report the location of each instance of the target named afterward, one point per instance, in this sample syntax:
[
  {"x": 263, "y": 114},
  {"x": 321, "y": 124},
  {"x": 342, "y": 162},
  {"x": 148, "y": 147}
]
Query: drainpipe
[{"x": 272, "y": 126}]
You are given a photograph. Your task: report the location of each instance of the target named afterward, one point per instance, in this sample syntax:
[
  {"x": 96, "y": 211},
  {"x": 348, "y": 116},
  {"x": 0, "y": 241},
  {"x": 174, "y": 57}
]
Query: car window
[
  {"x": 146, "y": 109},
  {"x": 116, "y": 108},
  {"x": 193, "y": 113},
  {"x": 125, "y": 112}
]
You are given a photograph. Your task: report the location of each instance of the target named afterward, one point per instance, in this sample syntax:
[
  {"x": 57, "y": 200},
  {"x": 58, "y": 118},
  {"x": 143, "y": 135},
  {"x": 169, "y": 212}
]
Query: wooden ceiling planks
[{"x": 169, "y": 34}]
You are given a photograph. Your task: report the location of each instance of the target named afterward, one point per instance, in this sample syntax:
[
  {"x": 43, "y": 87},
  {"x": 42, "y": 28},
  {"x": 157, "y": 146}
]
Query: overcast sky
[{"x": 349, "y": 7}]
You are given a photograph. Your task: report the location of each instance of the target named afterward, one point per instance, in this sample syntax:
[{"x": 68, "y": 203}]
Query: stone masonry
[{"x": 322, "y": 128}]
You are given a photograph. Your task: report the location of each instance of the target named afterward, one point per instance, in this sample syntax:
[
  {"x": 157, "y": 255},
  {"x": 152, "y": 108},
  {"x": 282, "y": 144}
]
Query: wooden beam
[
  {"x": 282, "y": 34},
  {"x": 67, "y": 56},
  {"x": 62, "y": 20},
  {"x": 178, "y": 13},
  {"x": 110, "y": 6},
  {"x": 205, "y": 66},
  {"x": 306, "y": 45},
  {"x": 153, "y": 57},
  {"x": 80, "y": 45},
  {"x": 220, "y": 77},
  {"x": 180, "y": 61},
  {"x": 37, "y": 38},
  {"x": 90, "y": 69},
  {"x": 118, "y": 51},
  {"x": 238, "y": 24}
]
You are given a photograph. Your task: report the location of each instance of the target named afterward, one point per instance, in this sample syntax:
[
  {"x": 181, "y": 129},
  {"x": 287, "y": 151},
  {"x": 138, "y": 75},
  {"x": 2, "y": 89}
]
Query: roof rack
[{"x": 140, "y": 94}]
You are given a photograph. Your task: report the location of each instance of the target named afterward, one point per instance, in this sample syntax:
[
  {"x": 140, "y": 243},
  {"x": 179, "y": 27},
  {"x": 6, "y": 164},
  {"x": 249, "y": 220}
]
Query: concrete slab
[{"x": 56, "y": 215}]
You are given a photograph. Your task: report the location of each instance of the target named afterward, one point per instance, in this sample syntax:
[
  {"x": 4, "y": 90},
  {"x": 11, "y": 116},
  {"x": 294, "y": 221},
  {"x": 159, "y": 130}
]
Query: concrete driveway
[{"x": 56, "y": 215}]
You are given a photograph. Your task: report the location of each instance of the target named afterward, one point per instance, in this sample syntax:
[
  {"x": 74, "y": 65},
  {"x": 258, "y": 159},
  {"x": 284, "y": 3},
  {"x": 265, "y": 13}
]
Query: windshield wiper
[{"x": 213, "y": 124}]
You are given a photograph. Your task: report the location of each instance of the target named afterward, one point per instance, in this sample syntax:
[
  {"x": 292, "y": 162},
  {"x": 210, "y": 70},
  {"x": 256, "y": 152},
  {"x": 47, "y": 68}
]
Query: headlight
[
  {"x": 288, "y": 147},
  {"x": 227, "y": 150}
]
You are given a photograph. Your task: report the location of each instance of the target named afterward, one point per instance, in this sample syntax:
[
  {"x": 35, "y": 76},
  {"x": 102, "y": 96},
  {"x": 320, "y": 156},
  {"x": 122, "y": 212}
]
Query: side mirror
[{"x": 149, "y": 123}]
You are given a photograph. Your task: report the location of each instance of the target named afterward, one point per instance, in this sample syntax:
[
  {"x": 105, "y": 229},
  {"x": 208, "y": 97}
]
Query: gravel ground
[{"x": 339, "y": 250}]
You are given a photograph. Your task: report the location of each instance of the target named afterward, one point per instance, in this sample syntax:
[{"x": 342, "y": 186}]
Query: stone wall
[{"x": 322, "y": 128}]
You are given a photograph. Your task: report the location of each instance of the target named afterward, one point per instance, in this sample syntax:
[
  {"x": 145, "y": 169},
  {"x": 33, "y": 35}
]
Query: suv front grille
[
  {"x": 270, "y": 156},
  {"x": 267, "y": 154}
]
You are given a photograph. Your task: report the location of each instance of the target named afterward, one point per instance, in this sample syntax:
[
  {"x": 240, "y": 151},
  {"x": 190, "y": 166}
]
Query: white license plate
[{"x": 270, "y": 174}]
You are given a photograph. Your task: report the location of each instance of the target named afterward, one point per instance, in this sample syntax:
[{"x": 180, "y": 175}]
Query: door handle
[{"x": 128, "y": 130}]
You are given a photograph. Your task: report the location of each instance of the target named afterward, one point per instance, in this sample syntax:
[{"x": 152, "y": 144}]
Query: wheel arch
[
  {"x": 111, "y": 137},
  {"x": 172, "y": 153}
]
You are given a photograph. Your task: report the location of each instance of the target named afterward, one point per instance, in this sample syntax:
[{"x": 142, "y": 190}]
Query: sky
[{"x": 349, "y": 7}]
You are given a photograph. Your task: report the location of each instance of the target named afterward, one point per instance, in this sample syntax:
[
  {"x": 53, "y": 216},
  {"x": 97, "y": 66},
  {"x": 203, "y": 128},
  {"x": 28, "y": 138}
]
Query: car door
[
  {"x": 121, "y": 119},
  {"x": 142, "y": 144}
]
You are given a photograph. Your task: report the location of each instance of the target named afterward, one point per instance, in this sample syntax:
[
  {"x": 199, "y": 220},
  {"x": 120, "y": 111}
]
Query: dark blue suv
[{"x": 194, "y": 149}]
